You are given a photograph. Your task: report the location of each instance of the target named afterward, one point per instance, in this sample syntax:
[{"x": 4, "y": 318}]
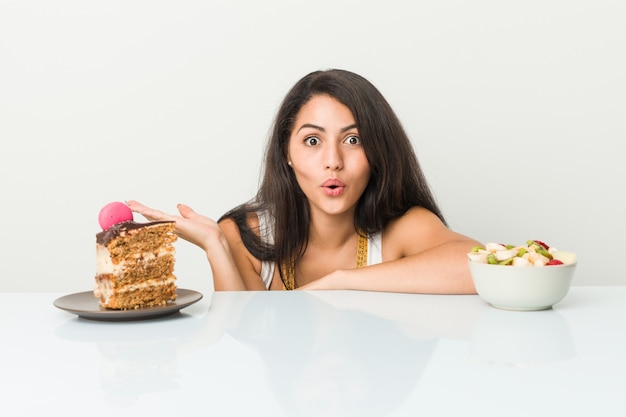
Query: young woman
[{"x": 343, "y": 204}]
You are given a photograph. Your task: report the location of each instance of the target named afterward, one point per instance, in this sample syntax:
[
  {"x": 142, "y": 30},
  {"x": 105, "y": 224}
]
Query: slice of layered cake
[{"x": 134, "y": 261}]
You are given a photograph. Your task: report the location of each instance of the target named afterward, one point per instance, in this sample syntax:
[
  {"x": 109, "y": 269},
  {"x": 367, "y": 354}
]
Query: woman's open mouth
[{"x": 333, "y": 187}]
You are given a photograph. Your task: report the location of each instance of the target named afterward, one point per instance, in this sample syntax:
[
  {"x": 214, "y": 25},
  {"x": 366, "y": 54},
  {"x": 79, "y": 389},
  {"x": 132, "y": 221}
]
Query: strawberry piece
[
  {"x": 539, "y": 242},
  {"x": 554, "y": 262}
]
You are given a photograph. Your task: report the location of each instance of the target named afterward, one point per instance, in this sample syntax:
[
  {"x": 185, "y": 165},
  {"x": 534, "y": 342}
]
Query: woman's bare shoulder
[
  {"x": 416, "y": 218},
  {"x": 229, "y": 225},
  {"x": 416, "y": 230}
]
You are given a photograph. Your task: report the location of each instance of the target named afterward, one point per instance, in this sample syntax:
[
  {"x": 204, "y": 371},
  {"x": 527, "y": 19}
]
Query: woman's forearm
[
  {"x": 439, "y": 270},
  {"x": 226, "y": 276}
]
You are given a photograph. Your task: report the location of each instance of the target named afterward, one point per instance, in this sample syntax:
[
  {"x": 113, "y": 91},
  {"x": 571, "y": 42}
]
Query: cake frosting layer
[{"x": 125, "y": 228}]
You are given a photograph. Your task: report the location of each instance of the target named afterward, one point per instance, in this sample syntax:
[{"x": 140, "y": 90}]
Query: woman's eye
[
  {"x": 353, "y": 140},
  {"x": 311, "y": 141}
]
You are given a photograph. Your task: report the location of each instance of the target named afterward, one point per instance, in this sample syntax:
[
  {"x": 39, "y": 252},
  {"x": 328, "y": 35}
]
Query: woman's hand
[
  {"x": 191, "y": 226},
  {"x": 206, "y": 234}
]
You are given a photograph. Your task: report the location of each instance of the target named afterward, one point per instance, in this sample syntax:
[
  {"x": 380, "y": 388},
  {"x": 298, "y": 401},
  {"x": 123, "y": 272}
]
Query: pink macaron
[{"x": 114, "y": 213}]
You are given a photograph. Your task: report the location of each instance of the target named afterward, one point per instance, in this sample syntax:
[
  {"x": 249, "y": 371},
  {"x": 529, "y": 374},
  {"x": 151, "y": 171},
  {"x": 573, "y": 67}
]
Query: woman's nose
[{"x": 333, "y": 157}]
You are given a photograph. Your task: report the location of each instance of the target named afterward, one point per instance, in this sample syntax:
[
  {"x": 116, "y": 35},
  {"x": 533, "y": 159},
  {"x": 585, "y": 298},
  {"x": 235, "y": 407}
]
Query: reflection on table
[{"x": 331, "y": 353}]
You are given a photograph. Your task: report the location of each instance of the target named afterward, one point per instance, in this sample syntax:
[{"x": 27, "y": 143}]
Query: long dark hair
[{"x": 396, "y": 184}]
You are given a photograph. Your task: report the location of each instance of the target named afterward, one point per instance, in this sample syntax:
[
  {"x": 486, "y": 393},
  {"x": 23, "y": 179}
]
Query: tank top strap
[{"x": 289, "y": 278}]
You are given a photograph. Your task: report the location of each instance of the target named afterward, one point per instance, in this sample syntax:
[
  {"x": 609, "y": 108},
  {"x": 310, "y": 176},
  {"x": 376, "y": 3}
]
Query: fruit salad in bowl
[
  {"x": 534, "y": 253},
  {"x": 533, "y": 276}
]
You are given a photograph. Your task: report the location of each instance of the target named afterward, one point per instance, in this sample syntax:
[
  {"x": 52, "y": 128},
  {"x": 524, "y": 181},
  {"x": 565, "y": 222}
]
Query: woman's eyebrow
[
  {"x": 321, "y": 129},
  {"x": 345, "y": 129},
  {"x": 312, "y": 126}
]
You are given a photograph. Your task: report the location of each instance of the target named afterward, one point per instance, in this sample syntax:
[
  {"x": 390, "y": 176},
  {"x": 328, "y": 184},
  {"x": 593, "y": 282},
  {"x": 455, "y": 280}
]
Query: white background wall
[{"x": 516, "y": 109}]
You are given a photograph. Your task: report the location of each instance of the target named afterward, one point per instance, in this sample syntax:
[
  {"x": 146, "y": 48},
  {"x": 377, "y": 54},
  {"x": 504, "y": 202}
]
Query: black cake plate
[{"x": 85, "y": 305}]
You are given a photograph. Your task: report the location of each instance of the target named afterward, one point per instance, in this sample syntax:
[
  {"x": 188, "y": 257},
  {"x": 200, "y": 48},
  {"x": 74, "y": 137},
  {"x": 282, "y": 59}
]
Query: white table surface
[{"x": 331, "y": 353}]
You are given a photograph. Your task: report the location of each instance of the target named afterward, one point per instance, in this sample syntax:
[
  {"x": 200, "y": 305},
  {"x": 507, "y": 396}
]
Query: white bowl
[{"x": 522, "y": 287}]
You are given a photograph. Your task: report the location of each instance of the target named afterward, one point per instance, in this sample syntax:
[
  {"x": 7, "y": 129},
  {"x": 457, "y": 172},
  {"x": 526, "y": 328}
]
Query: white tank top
[{"x": 266, "y": 229}]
